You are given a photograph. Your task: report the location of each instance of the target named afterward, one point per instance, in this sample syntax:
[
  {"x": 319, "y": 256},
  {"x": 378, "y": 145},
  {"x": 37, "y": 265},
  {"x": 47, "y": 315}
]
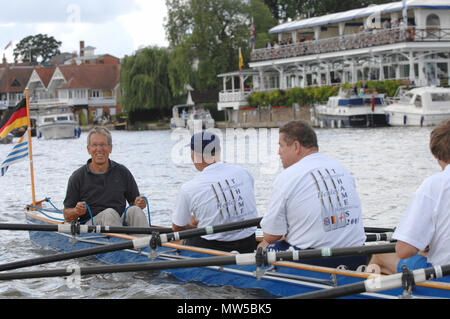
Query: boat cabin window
[
  {"x": 49, "y": 120},
  {"x": 418, "y": 101},
  {"x": 440, "y": 97},
  {"x": 406, "y": 98},
  {"x": 62, "y": 118}
]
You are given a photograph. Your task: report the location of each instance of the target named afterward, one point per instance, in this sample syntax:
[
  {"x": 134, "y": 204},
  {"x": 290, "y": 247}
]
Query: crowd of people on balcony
[{"x": 366, "y": 36}]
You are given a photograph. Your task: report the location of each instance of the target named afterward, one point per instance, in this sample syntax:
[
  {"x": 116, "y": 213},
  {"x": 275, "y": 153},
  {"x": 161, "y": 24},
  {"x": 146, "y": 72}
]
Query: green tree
[
  {"x": 33, "y": 47},
  {"x": 144, "y": 80},
  {"x": 282, "y": 10},
  {"x": 205, "y": 37}
]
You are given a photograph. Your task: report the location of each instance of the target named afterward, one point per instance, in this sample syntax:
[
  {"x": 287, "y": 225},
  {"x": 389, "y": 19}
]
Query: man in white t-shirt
[
  {"x": 314, "y": 202},
  {"x": 220, "y": 194},
  {"x": 423, "y": 235}
]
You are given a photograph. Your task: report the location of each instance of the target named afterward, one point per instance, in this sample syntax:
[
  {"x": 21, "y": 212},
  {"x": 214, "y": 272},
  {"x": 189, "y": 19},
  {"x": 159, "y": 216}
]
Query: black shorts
[{"x": 246, "y": 245}]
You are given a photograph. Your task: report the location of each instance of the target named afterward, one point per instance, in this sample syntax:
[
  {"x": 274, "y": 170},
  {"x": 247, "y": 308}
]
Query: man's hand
[{"x": 72, "y": 214}]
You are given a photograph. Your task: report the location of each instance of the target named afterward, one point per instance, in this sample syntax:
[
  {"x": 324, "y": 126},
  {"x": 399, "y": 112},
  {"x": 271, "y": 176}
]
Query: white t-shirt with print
[
  {"x": 314, "y": 203},
  {"x": 222, "y": 193},
  {"x": 426, "y": 221}
]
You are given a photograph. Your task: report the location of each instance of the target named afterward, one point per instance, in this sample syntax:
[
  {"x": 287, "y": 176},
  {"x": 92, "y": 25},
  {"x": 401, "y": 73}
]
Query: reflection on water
[{"x": 388, "y": 165}]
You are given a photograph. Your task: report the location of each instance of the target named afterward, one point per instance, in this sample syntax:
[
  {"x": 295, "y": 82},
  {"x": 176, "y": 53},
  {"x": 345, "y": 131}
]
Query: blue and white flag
[{"x": 19, "y": 153}]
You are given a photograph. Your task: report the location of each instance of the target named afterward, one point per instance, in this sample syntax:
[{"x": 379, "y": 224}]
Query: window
[
  {"x": 433, "y": 26},
  {"x": 62, "y": 118},
  {"x": 440, "y": 97},
  {"x": 418, "y": 101}
]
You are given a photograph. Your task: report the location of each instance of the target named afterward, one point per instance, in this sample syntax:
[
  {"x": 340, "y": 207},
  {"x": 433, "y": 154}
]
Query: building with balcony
[
  {"x": 89, "y": 88},
  {"x": 380, "y": 42}
]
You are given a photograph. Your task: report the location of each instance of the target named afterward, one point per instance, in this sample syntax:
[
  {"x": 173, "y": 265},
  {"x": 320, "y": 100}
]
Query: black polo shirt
[{"x": 101, "y": 191}]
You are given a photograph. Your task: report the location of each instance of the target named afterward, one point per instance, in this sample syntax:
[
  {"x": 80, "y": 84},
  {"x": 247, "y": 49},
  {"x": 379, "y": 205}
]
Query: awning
[{"x": 358, "y": 14}]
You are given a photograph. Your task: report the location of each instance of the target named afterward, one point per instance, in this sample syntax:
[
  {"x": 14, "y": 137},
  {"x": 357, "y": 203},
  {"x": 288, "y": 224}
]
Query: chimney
[
  {"x": 81, "y": 48},
  {"x": 4, "y": 59}
]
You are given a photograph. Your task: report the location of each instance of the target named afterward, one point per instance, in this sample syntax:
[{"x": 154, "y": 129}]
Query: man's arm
[
  {"x": 405, "y": 250},
  {"x": 192, "y": 224},
  {"x": 269, "y": 239}
]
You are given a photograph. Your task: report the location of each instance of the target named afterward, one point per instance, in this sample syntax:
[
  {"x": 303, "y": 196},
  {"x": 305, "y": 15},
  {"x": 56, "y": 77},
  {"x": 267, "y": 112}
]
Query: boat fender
[{"x": 141, "y": 242}]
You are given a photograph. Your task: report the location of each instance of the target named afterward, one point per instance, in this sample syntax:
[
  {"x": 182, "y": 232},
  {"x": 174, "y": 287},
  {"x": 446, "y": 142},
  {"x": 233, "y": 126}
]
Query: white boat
[
  {"x": 57, "y": 121},
  {"x": 190, "y": 117},
  {"x": 424, "y": 106},
  {"x": 350, "y": 110}
]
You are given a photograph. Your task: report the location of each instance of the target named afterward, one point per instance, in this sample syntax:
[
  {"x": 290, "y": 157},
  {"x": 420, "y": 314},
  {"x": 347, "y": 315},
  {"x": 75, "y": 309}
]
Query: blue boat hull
[{"x": 279, "y": 281}]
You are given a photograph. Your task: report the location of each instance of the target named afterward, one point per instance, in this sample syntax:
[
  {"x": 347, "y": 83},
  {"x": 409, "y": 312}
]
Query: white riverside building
[{"x": 333, "y": 50}]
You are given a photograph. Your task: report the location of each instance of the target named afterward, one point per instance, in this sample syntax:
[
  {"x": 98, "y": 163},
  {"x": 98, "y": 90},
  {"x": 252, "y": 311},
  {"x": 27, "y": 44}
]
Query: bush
[{"x": 312, "y": 95}]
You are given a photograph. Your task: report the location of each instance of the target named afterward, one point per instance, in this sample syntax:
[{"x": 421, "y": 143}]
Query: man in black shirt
[{"x": 104, "y": 186}]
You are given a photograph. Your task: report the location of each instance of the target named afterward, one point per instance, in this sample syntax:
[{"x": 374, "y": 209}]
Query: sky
[{"x": 116, "y": 27}]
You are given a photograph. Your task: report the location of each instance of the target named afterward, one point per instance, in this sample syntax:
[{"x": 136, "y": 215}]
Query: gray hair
[{"x": 100, "y": 130}]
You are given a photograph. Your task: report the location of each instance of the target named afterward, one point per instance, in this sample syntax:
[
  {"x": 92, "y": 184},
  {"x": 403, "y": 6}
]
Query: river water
[{"x": 388, "y": 165}]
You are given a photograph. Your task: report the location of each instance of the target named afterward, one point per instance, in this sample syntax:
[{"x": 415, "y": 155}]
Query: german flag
[{"x": 14, "y": 118}]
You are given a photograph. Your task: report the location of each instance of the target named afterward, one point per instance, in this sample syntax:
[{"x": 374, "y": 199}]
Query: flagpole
[{"x": 30, "y": 150}]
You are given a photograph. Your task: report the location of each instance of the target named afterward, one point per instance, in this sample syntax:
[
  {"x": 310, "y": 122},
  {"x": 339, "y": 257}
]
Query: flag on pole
[
  {"x": 241, "y": 60},
  {"x": 14, "y": 118},
  {"x": 252, "y": 35},
  {"x": 18, "y": 154},
  {"x": 8, "y": 45}
]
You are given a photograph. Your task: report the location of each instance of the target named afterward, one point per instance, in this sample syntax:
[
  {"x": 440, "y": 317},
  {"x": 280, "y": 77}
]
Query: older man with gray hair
[{"x": 104, "y": 186}]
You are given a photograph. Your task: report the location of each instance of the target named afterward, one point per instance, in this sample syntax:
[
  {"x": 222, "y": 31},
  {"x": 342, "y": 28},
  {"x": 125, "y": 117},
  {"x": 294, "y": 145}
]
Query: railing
[
  {"x": 350, "y": 42},
  {"x": 95, "y": 101},
  {"x": 233, "y": 96}
]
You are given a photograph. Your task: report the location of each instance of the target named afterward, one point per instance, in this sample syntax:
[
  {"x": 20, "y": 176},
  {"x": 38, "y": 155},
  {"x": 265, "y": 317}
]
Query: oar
[
  {"x": 378, "y": 230},
  {"x": 379, "y": 283},
  {"x": 138, "y": 243},
  {"x": 379, "y": 237},
  {"x": 83, "y": 229},
  {"x": 259, "y": 258}
]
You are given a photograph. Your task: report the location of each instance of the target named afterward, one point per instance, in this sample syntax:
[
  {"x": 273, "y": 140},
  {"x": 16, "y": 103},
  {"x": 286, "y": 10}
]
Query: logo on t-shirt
[
  {"x": 333, "y": 198},
  {"x": 229, "y": 197}
]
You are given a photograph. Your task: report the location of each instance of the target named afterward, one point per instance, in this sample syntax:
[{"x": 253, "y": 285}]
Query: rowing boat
[{"x": 280, "y": 279}]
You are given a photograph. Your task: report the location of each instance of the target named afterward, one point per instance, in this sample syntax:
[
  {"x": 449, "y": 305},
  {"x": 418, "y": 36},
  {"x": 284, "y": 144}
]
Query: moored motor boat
[
  {"x": 424, "y": 106},
  {"x": 350, "y": 110}
]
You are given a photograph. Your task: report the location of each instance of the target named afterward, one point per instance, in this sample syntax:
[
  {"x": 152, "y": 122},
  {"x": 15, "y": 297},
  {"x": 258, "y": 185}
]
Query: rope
[
  {"x": 90, "y": 213},
  {"x": 148, "y": 212},
  {"x": 58, "y": 211}
]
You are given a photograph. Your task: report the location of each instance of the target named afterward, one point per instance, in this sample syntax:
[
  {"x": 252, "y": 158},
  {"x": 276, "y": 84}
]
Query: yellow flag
[{"x": 241, "y": 60}]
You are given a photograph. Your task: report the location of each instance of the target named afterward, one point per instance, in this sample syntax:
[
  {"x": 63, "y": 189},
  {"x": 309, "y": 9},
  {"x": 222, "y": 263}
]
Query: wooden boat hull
[{"x": 283, "y": 280}]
